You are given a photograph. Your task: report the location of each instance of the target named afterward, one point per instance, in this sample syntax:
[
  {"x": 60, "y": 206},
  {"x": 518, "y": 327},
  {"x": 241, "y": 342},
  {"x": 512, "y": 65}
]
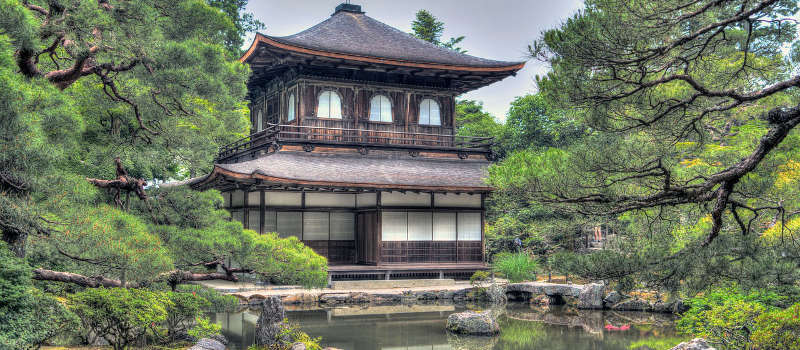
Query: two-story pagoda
[{"x": 353, "y": 149}]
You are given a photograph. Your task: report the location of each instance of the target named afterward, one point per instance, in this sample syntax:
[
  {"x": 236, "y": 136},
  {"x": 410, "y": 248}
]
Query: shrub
[
  {"x": 516, "y": 267},
  {"x": 119, "y": 315},
  {"x": 183, "y": 310},
  {"x": 28, "y": 317}
]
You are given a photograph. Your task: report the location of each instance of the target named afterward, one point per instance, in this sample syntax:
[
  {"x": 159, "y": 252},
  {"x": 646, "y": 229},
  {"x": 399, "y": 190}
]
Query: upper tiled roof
[{"x": 354, "y": 33}]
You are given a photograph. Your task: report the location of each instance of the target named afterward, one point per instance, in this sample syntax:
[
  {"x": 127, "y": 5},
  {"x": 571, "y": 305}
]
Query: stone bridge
[{"x": 588, "y": 296}]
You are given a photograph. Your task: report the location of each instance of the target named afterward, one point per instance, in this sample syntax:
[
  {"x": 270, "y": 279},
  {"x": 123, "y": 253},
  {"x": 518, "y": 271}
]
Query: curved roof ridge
[{"x": 357, "y": 34}]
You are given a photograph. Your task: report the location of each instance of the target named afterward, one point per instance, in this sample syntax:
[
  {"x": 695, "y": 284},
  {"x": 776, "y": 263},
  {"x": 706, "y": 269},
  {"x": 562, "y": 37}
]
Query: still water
[{"x": 421, "y": 327}]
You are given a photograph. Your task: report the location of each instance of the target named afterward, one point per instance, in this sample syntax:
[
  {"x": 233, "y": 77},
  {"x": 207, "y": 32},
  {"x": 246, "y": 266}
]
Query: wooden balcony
[{"x": 363, "y": 135}]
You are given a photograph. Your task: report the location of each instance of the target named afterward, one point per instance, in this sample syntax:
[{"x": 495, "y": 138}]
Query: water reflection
[{"x": 418, "y": 327}]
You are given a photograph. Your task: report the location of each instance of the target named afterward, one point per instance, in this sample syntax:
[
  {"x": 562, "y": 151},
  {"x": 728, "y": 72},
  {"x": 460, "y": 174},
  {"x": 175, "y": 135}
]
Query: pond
[{"x": 418, "y": 327}]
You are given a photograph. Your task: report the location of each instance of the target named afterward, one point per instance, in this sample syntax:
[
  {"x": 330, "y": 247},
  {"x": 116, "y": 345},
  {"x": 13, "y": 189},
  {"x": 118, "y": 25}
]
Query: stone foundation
[{"x": 590, "y": 296}]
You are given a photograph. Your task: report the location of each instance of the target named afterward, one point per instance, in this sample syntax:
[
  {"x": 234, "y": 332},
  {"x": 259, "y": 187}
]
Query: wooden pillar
[{"x": 483, "y": 223}]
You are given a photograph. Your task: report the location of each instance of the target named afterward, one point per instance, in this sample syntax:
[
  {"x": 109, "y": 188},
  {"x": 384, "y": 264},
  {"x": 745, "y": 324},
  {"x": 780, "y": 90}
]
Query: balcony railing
[{"x": 348, "y": 133}]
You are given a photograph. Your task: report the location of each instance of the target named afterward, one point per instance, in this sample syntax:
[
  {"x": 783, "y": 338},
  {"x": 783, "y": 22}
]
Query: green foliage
[
  {"x": 119, "y": 315},
  {"x": 28, "y": 317},
  {"x": 243, "y": 23},
  {"x": 533, "y": 122},
  {"x": 646, "y": 140},
  {"x": 291, "y": 334},
  {"x": 778, "y": 329},
  {"x": 203, "y": 328},
  {"x": 666, "y": 343},
  {"x": 732, "y": 319},
  {"x": 197, "y": 229},
  {"x": 472, "y": 120},
  {"x": 183, "y": 310},
  {"x": 427, "y": 27},
  {"x": 284, "y": 260},
  {"x": 218, "y": 302},
  {"x": 516, "y": 267}
]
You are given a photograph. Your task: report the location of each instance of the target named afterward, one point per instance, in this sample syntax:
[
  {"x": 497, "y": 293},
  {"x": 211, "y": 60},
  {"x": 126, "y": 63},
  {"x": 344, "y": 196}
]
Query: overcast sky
[{"x": 495, "y": 29}]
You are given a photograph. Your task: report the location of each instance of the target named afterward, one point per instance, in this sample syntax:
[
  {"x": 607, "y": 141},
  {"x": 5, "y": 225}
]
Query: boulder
[
  {"x": 461, "y": 294},
  {"x": 694, "y": 344},
  {"x": 591, "y": 296},
  {"x": 335, "y": 298},
  {"x": 613, "y": 298},
  {"x": 663, "y": 307},
  {"x": 386, "y": 298},
  {"x": 359, "y": 298},
  {"x": 473, "y": 323},
  {"x": 679, "y": 307},
  {"x": 298, "y": 346},
  {"x": 634, "y": 304},
  {"x": 541, "y": 300},
  {"x": 270, "y": 322},
  {"x": 497, "y": 293},
  {"x": 300, "y": 298},
  {"x": 208, "y": 344}
]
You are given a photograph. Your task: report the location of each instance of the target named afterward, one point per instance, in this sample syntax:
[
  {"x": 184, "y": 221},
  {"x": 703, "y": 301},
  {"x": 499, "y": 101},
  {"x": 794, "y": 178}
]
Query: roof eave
[
  {"x": 219, "y": 171},
  {"x": 261, "y": 38}
]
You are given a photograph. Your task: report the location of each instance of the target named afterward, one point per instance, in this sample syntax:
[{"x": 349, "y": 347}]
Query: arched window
[
  {"x": 259, "y": 121},
  {"x": 290, "y": 114},
  {"x": 380, "y": 109},
  {"x": 429, "y": 112},
  {"x": 330, "y": 105}
]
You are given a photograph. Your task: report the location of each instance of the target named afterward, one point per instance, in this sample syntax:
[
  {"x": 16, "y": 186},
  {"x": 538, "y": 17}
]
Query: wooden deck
[{"x": 386, "y": 271}]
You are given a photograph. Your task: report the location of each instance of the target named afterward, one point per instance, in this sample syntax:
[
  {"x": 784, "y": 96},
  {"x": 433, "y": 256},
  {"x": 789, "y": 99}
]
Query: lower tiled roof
[{"x": 355, "y": 170}]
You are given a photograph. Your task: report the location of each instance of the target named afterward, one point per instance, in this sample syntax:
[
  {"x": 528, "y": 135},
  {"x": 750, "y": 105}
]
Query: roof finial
[{"x": 347, "y": 7}]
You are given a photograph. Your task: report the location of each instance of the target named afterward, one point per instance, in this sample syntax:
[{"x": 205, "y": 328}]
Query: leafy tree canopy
[
  {"x": 693, "y": 108},
  {"x": 427, "y": 27},
  {"x": 99, "y": 97}
]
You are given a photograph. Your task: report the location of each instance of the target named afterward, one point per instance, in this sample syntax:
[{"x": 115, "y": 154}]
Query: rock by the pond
[
  {"x": 633, "y": 305},
  {"x": 473, "y": 323},
  {"x": 591, "y": 296},
  {"x": 298, "y": 346},
  {"x": 208, "y": 344},
  {"x": 613, "y": 298},
  {"x": 300, "y": 298},
  {"x": 541, "y": 300},
  {"x": 694, "y": 344},
  {"x": 334, "y": 298},
  {"x": 679, "y": 307},
  {"x": 270, "y": 322}
]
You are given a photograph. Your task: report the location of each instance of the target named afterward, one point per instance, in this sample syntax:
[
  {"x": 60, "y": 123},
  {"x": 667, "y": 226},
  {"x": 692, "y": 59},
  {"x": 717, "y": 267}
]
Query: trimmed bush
[{"x": 119, "y": 315}]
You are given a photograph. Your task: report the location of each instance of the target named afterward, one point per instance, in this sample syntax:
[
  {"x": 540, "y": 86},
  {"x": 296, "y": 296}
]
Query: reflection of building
[
  {"x": 375, "y": 327},
  {"x": 353, "y": 148}
]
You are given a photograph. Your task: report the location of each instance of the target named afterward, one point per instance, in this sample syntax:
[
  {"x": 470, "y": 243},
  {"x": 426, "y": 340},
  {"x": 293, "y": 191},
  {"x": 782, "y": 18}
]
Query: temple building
[{"x": 353, "y": 148}]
